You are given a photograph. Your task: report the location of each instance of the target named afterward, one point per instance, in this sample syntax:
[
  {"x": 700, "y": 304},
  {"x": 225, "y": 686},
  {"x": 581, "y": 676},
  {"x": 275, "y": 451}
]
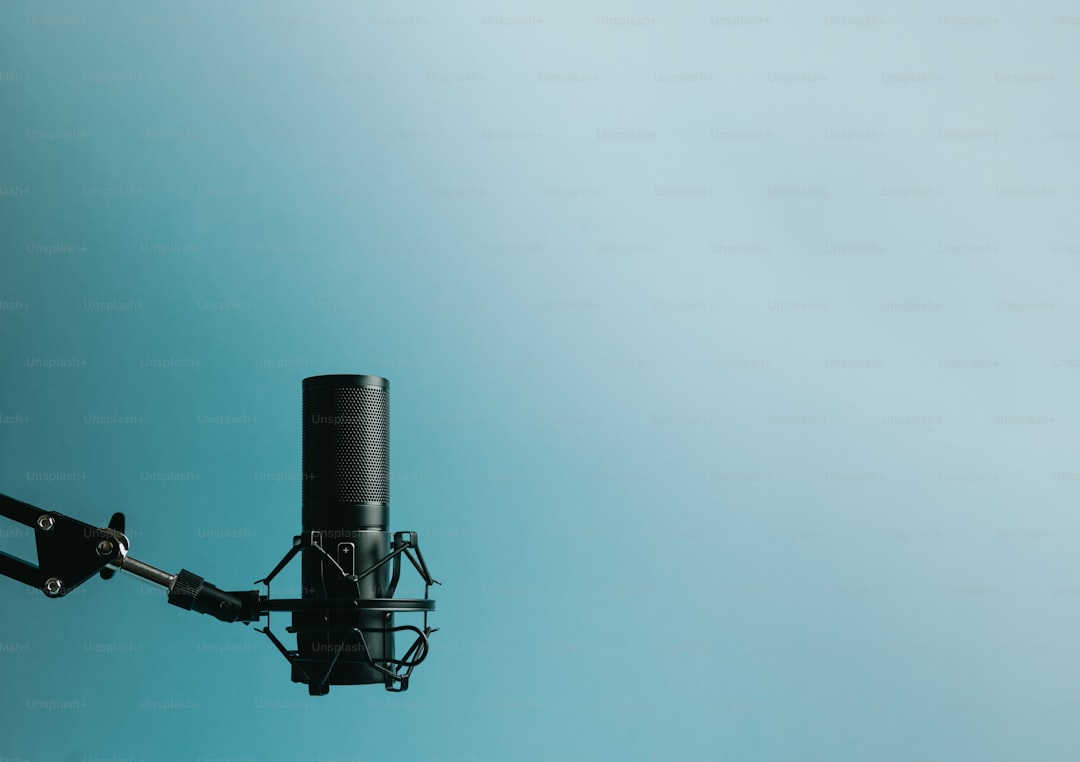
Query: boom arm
[{"x": 70, "y": 552}]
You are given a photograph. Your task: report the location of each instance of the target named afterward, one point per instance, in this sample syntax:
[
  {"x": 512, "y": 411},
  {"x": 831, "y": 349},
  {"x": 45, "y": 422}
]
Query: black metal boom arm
[{"x": 70, "y": 552}]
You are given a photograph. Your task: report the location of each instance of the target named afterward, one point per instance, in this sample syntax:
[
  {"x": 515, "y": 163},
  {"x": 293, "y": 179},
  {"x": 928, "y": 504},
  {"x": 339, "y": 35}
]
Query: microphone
[
  {"x": 346, "y": 511},
  {"x": 350, "y": 561}
]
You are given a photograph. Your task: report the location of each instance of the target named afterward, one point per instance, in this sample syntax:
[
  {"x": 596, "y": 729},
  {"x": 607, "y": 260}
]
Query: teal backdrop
[{"x": 733, "y": 359}]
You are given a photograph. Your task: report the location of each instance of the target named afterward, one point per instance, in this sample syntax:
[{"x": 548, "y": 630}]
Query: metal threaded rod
[{"x": 148, "y": 572}]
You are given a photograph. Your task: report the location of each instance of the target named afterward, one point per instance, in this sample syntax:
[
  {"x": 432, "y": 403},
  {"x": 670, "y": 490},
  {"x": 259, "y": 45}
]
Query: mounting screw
[
  {"x": 105, "y": 548},
  {"x": 46, "y": 522},
  {"x": 53, "y": 586}
]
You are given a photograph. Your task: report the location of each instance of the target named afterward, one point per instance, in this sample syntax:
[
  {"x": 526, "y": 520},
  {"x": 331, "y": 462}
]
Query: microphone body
[{"x": 346, "y": 504}]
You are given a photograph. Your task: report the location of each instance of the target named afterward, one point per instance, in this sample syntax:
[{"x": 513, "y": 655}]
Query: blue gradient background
[{"x": 732, "y": 352}]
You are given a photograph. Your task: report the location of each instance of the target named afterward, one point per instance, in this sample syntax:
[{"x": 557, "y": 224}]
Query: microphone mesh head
[{"x": 346, "y": 440}]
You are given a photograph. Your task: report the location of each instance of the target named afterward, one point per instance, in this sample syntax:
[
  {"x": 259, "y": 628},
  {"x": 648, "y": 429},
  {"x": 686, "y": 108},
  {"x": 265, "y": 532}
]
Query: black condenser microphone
[
  {"x": 350, "y": 561},
  {"x": 346, "y": 503}
]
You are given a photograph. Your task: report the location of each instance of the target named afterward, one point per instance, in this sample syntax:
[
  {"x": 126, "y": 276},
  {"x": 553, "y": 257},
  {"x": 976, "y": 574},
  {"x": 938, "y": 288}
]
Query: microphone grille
[
  {"x": 363, "y": 443},
  {"x": 346, "y": 452}
]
